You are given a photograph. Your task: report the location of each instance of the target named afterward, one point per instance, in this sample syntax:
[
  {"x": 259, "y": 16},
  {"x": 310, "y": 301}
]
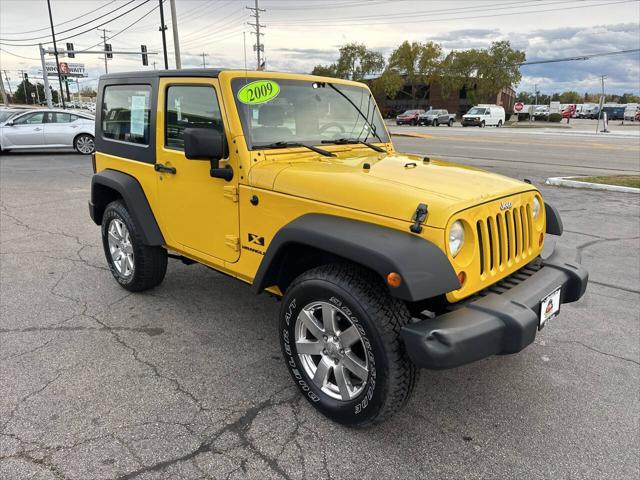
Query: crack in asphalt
[
  {"x": 607, "y": 354},
  {"x": 240, "y": 427}
]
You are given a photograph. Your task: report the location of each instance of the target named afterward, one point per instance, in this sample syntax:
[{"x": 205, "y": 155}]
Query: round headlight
[
  {"x": 536, "y": 208},
  {"x": 456, "y": 237}
]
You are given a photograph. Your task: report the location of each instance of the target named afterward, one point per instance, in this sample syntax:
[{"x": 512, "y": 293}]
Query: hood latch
[{"x": 419, "y": 217}]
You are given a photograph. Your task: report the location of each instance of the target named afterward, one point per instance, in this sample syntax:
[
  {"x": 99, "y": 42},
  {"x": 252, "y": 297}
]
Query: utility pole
[
  {"x": 602, "y": 77},
  {"x": 163, "y": 29},
  {"x": 55, "y": 51},
  {"x": 259, "y": 46},
  {"x": 204, "y": 62},
  {"x": 176, "y": 38},
  {"x": 5, "y": 100},
  {"x": 8, "y": 83},
  {"x": 104, "y": 45},
  {"x": 45, "y": 78}
]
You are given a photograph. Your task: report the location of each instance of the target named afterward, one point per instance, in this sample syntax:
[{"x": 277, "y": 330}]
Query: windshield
[
  {"x": 476, "y": 111},
  {"x": 411, "y": 112},
  {"x": 7, "y": 114},
  {"x": 308, "y": 112}
]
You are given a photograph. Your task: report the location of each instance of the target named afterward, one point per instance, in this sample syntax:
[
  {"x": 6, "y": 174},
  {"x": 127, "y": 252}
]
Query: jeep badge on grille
[{"x": 505, "y": 206}]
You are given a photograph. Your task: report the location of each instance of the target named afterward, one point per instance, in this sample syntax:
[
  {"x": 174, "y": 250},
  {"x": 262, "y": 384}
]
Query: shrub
[
  {"x": 555, "y": 117},
  {"x": 523, "y": 117}
]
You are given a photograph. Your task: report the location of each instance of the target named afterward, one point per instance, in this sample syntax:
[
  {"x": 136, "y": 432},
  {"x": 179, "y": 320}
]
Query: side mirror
[
  {"x": 208, "y": 144},
  {"x": 9, "y": 123}
]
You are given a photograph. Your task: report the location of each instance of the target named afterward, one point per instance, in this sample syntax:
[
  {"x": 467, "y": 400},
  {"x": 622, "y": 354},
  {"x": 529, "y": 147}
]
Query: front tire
[
  {"x": 340, "y": 336},
  {"x": 482, "y": 124},
  {"x": 85, "y": 144},
  {"x": 450, "y": 123},
  {"x": 134, "y": 265}
]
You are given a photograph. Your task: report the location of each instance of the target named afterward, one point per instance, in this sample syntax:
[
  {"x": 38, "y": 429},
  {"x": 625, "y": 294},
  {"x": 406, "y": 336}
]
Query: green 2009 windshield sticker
[{"x": 260, "y": 91}]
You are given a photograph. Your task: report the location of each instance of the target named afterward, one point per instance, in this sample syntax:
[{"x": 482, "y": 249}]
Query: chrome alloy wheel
[
  {"x": 120, "y": 247},
  {"x": 85, "y": 144},
  {"x": 331, "y": 351}
]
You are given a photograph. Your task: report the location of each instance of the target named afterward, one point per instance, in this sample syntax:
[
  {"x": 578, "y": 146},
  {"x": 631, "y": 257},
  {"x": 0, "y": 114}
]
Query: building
[{"x": 432, "y": 96}]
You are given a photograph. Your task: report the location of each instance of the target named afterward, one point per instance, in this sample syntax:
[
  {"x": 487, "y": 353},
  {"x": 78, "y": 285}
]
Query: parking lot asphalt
[{"x": 187, "y": 381}]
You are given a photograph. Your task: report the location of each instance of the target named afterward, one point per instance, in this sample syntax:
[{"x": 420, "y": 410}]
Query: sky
[{"x": 299, "y": 34}]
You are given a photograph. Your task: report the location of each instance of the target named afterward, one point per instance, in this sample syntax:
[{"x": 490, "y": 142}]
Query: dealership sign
[{"x": 66, "y": 69}]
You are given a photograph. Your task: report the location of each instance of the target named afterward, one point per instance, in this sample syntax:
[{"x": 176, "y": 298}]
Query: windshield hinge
[
  {"x": 232, "y": 241},
  {"x": 231, "y": 192},
  {"x": 419, "y": 217}
]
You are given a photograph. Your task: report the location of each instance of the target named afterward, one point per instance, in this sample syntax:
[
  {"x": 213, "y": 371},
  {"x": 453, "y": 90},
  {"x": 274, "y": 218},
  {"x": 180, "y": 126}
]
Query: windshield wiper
[
  {"x": 372, "y": 127},
  {"x": 345, "y": 141},
  {"x": 297, "y": 144}
]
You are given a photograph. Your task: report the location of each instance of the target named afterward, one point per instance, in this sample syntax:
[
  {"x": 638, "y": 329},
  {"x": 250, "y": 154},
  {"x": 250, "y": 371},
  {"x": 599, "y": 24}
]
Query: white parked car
[
  {"x": 484, "y": 115},
  {"x": 43, "y": 129}
]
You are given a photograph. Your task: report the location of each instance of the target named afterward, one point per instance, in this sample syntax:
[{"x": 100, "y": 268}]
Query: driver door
[
  {"x": 26, "y": 131},
  {"x": 199, "y": 212}
]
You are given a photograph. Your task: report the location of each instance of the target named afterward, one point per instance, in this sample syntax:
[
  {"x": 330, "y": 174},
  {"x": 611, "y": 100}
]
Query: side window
[
  {"x": 126, "y": 113},
  {"x": 32, "y": 119},
  {"x": 62, "y": 117},
  {"x": 190, "y": 106}
]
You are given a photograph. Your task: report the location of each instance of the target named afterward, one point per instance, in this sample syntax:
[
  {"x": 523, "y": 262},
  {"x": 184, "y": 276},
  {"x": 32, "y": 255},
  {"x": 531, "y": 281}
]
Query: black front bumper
[{"x": 496, "y": 323}]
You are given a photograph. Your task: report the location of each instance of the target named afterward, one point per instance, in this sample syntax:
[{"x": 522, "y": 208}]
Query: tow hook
[{"x": 419, "y": 217}]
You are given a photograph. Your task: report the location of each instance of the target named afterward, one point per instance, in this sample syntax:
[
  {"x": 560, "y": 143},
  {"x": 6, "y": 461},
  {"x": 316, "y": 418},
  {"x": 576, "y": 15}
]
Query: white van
[{"x": 484, "y": 115}]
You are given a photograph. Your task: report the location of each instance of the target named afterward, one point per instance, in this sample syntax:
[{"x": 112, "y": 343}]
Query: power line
[
  {"x": 580, "y": 57},
  {"x": 68, "y": 29},
  {"x": 144, "y": 2},
  {"x": 306, "y": 24},
  {"x": 64, "y": 23}
]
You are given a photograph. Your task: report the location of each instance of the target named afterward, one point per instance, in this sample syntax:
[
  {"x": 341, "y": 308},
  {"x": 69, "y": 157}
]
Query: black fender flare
[
  {"x": 554, "y": 222},
  {"x": 425, "y": 270},
  {"x": 108, "y": 181}
]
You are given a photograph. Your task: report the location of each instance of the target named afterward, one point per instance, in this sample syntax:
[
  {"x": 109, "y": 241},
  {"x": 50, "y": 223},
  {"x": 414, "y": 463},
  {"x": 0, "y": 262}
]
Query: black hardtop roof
[{"x": 187, "y": 72}]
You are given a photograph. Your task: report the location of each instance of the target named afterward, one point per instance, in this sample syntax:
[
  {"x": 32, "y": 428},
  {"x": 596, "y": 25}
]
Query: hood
[{"x": 393, "y": 186}]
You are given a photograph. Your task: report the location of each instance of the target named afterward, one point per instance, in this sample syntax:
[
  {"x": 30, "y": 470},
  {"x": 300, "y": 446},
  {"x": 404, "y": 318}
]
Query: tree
[
  {"x": 355, "y": 62},
  {"x": 387, "y": 85},
  {"x": 324, "y": 70},
  {"x": 570, "y": 97},
  {"x": 483, "y": 72},
  {"x": 418, "y": 63},
  {"x": 88, "y": 92}
]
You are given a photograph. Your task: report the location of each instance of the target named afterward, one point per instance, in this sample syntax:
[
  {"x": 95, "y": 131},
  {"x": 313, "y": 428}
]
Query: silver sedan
[{"x": 44, "y": 129}]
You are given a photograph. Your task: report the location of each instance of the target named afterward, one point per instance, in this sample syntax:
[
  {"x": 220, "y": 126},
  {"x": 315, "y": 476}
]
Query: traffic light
[
  {"x": 107, "y": 47},
  {"x": 26, "y": 77},
  {"x": 145, "y": 57},
  {"x": 70, "y": 53}
]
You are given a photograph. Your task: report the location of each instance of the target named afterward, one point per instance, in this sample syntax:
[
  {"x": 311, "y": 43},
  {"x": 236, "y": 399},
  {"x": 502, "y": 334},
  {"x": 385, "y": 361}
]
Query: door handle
[
  {"x": 158, "y": 167},
  {"x": 37, "y": 129}
]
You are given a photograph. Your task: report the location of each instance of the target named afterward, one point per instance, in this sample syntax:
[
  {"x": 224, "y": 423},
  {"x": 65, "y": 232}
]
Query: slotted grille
[{"x": 505, "y": 239}]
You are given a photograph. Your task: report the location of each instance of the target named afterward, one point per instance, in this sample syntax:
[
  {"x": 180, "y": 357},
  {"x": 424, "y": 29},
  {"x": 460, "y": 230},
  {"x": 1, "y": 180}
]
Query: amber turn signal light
[
  {"x": 394, "y": 280},
  {"x": 541, "y": 239},
  {"x": 462, "y": 277}
]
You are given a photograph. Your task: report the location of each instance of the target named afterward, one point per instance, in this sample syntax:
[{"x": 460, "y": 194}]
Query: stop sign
[{"x": 518, "y": 106}]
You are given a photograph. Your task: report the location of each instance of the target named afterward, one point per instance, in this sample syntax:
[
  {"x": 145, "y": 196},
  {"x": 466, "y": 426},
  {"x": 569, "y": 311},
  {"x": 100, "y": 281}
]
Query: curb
[
  {"x": 568, "y": 182},
  {"x": 410, "y": 134}
]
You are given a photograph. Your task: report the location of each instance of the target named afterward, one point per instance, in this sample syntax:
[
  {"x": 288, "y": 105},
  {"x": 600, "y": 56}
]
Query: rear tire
[
  {"x": 450, "y": 124},
  {"x": 350, "y": 364},
  {"x": 134, "y": 265},
  {"x": 499, "y": 124}
]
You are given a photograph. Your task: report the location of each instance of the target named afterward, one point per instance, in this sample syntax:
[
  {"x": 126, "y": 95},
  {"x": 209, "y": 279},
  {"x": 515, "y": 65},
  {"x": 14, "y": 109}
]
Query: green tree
[
  {"x": 356, "y": 62},
  {"x": 483, "y": 72},
  {"x": 387, "y": 85},
  {"x": 324, "y": 70},
  {"x": 418, "y": 63},
  {"x": 629, "y": 98},
  {"x": 570, "y": 97}
]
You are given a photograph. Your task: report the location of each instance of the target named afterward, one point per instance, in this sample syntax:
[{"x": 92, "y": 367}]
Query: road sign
[
  {"x": 518, "y": 106},
  {"x": 68, "y": 69},
  {"x": 33, "y": 94}
]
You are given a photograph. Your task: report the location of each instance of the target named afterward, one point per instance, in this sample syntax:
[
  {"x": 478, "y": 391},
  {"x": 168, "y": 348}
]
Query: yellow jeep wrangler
[{"x": 385, "y": 262}]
